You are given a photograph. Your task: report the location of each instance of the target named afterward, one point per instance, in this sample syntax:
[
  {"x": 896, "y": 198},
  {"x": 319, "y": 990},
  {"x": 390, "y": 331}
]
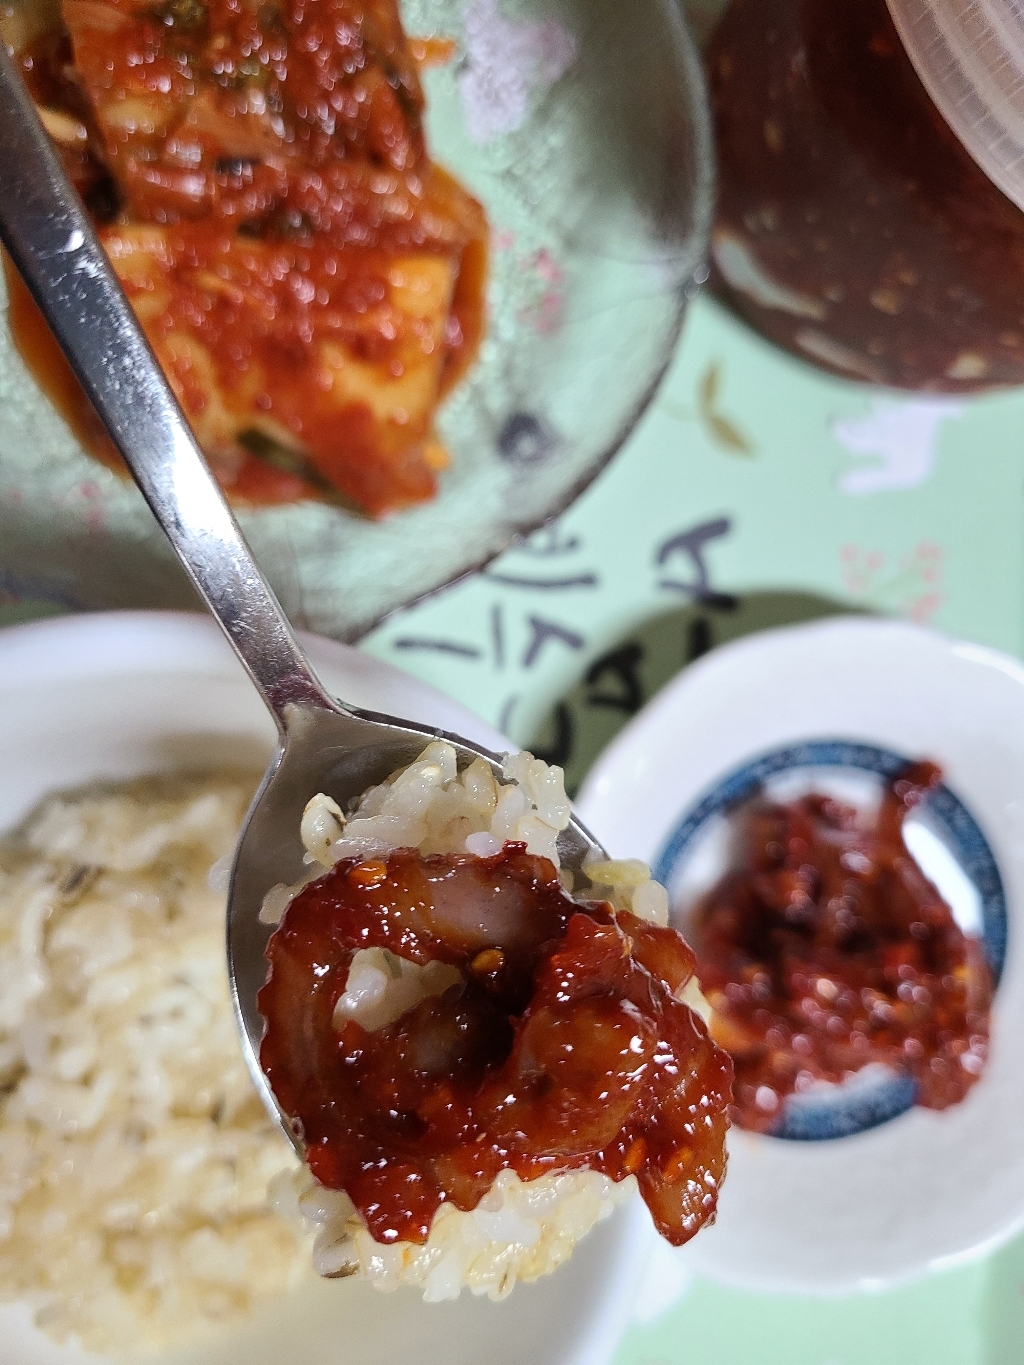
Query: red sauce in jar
[
  {"x": 311, "y": 282},
  {"x": 853, "y": 228},
  {"x": 563, "y": 1046},
  {"x": 826, "y": 948}
]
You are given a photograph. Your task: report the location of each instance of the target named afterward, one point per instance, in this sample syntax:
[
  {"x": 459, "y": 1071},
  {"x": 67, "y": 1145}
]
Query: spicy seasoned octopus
[
  {"x": 826, "y": 948},
  {"x": 562, "y": 1045}
]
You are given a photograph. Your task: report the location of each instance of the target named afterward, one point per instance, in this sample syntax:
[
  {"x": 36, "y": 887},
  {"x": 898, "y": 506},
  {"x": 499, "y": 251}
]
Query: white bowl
[
  {"x": 923, "y": 1190},
  {"x": 122, "y": 694}
]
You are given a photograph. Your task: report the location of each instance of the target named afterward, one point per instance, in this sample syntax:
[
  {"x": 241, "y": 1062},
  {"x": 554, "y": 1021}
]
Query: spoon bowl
[
  {"x": 324, "y": 745},
  {"x": 341, "y": 752}
]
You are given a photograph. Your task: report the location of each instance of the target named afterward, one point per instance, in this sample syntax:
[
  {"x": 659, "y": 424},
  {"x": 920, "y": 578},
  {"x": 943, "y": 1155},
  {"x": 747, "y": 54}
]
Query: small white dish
[
  {"x": 920, "y": 1190},
  {"x": 117, "y": 695}
]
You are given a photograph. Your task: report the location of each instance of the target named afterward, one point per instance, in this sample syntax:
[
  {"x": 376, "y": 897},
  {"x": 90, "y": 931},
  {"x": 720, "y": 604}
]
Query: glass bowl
[{"x": 581, "y": 125}]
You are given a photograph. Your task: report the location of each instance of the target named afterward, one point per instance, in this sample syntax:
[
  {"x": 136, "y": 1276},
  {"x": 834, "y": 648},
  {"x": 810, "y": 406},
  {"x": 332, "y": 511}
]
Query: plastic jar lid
[{"x": 970, "y": 57}]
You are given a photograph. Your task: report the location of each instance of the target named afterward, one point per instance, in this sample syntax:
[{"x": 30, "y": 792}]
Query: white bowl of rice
[{"x": 134, "y": 1156}]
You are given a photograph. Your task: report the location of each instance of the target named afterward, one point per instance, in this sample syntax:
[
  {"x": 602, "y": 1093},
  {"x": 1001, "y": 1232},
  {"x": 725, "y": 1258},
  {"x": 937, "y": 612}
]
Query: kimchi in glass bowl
[{"x": 580, "y": 126}]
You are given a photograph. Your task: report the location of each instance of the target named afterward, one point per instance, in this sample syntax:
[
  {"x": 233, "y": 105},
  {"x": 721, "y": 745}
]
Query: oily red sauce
[
  {"x": 563, "y": 1047},
  {"x": 826, "y": 948},
  {"x": 900, "y": 261},
  {"x": 260, "y": 178}
]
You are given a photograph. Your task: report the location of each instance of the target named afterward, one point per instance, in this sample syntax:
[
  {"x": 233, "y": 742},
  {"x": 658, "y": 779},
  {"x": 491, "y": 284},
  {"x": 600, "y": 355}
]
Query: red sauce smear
[
  {"x": 826, "y": 948},
  {"x": 840, "y": 178},
  {"x": 563, "y": 1048},
  {"x": 312, "y": 284}
]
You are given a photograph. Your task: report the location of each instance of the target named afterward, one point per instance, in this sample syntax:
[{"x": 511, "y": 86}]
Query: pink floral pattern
[{"x": 911, "y": 586}]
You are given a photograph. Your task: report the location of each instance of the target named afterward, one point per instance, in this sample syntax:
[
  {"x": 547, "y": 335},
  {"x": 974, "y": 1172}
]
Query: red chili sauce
[
  {"x": 826, "y": 948},
  {"x": 310, "y": 281},
  {"x": 563, "y": 1048},
  {"x": 853, "y": 228}
]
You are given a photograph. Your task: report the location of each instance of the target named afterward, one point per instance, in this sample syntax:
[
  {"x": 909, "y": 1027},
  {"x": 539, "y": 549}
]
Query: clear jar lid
[{"x": 970, "y": 57}]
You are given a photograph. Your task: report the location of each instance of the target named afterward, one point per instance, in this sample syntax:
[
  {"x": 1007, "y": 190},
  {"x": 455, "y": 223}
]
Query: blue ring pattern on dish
[{"x": 850, "y": 1108}]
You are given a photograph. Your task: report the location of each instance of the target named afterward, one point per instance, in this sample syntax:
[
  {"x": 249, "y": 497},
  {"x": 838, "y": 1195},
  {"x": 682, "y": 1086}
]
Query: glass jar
[{"x": 853, "y": 227}]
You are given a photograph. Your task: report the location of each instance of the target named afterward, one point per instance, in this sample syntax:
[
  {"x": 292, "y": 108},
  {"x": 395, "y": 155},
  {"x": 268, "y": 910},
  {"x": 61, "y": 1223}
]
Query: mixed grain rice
[{"x": 134, "y": 1152}]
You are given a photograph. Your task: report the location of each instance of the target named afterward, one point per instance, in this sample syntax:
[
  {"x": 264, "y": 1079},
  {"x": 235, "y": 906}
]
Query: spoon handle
[{"x": 49, "y": 236}]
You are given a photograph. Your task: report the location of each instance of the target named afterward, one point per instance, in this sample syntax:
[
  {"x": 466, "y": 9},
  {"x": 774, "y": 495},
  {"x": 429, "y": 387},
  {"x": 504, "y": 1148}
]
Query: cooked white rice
[
  {"x": 134, "y": 1152},
  {"x": 520, "y": 1230}
]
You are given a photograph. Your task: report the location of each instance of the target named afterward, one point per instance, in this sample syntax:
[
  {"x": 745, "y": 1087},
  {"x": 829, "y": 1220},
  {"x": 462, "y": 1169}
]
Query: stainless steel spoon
[{"x": 323, "y": 744}]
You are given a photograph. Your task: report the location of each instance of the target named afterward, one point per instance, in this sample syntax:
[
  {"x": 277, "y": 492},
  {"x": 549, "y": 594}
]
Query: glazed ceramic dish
[
  {"x": 119, "y": 695},
  {"x": 861, "y": 1189},
  {"x": 581, "y": 127}
]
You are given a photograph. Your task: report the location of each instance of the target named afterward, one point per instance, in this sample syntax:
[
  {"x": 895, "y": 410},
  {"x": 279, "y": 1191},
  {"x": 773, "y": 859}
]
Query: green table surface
[{"x": 755, "y": 492}]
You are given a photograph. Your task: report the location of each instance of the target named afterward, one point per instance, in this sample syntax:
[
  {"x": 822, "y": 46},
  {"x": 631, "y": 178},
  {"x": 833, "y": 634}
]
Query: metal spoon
[{"x": 323, "y": 744}]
